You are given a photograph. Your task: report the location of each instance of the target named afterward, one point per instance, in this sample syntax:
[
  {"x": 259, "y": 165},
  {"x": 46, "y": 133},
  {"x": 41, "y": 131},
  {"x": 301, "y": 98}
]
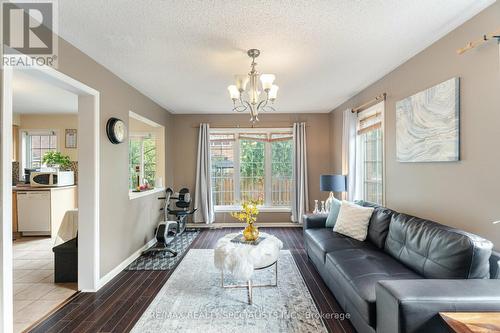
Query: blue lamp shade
[{"x": 333, "y": 183}]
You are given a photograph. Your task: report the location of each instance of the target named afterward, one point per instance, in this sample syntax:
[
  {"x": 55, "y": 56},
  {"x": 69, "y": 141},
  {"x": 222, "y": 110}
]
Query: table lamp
[{"x": 332, "y": 183}]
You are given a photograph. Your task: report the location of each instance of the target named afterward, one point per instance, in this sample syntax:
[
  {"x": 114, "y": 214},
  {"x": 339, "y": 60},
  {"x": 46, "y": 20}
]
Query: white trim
[
  {"x": 136, "y": 195},
  {"x": 222, "y": 225},
  {"x": 143, "y": 119},
  {"x": 262, "y": 209},
  {"x": 6, "y": 283},
  {"x": 115, "y": 271},
  {"x": 88, "y": 196}
]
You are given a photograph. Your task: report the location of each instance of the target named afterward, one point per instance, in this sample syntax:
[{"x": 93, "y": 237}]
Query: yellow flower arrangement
[{"x": 248, "y": 214}]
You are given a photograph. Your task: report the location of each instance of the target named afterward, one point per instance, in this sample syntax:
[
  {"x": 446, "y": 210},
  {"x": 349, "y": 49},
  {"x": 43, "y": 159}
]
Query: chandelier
[{"x": 251, "y": 99}]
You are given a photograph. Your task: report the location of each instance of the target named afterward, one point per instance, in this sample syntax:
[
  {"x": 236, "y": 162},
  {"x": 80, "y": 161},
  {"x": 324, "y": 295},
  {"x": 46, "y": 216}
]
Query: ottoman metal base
[{"x": 249, "y": 284}]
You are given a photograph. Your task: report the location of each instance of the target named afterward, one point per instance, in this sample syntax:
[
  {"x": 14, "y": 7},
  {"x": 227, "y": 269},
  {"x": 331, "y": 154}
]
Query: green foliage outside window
[{"x": 135, "y": 148}]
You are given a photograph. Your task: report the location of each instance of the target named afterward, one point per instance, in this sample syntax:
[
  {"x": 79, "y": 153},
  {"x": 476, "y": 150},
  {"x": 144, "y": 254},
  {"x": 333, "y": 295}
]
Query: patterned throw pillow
[
  {"x": 334, "y": 213},
  {"x": 353, "y": 220}
]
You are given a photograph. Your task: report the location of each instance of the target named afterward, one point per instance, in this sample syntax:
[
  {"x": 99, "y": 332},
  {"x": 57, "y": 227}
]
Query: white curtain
[
  {"x": 300, "y": 197},
  {"x": 203, "y": 192},
  {"x": 350, "y": 165}
]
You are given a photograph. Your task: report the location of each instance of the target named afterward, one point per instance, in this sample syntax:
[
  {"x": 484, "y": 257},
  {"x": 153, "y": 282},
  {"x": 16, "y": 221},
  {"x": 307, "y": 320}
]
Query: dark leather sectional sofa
[{"x": 405, "y": 272}]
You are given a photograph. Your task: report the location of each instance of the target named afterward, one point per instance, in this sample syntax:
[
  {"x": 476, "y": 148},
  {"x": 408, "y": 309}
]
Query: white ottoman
[{"x": 241, "y": 260}]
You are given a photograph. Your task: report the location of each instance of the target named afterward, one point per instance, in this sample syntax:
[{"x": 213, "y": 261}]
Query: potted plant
[
  {"x": 248, "y": 214},
  {"x": 55, "y": 159}
]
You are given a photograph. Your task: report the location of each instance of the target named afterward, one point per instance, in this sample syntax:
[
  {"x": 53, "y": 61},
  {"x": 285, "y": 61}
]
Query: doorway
[{"x": 88, "y": 185}]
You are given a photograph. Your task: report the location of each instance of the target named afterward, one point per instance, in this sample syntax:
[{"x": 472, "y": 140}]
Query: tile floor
[{"x": 35, "y": 293}]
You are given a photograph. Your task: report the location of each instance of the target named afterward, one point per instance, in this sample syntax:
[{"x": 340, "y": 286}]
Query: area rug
[
  {"x": 192, "y": 300},
  {"x": 161, "y": 261}
]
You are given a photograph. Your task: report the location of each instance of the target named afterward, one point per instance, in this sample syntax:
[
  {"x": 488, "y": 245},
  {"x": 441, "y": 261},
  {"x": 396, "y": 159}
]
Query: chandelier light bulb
[
  {"x": 233, "y": 92},
  {"x": 267, "y": 81},
  {"x": 241, "y": 82},
  {"x": 273, "y": 92}
]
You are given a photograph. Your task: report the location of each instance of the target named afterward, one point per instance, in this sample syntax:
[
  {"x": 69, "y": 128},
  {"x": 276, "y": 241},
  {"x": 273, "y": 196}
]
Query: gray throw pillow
[{"x": 334, "y": 213}]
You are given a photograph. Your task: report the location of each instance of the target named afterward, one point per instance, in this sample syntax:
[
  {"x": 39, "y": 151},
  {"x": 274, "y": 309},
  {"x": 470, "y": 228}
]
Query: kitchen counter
[{"x": 27, "y": 187}]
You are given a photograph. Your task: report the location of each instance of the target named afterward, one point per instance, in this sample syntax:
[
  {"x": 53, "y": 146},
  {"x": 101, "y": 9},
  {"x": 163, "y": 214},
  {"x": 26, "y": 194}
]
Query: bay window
[{"x": 251, "y": 165}]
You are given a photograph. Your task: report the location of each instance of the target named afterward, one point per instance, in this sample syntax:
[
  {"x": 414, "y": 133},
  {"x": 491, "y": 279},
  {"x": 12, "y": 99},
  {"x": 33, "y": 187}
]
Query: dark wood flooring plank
[{"x": 120, "y": 304}]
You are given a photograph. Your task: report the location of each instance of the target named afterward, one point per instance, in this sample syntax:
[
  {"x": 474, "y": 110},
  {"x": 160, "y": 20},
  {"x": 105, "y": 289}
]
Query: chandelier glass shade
[{"x": 248, "y": 95}]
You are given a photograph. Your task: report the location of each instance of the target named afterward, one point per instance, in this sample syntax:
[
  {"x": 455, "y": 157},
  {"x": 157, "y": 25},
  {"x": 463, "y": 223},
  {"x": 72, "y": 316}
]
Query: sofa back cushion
[
  {"x": 379, "y": 223},
  {"x": 436, "y": 251}
]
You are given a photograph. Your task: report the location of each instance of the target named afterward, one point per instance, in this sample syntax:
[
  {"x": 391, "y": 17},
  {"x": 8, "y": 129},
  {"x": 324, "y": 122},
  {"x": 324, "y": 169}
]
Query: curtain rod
[
  {"x": 477, "y": 42},
  {"x": 360, "y": 108},
  {"x": 246, "y": 126}
]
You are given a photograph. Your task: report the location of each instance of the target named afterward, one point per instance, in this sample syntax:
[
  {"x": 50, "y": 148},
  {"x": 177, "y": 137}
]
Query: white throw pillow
[{"x": 353, "y": 220}]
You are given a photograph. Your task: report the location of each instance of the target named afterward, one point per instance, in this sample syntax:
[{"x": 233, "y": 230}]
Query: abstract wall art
[{"x": 428, "y": 124}]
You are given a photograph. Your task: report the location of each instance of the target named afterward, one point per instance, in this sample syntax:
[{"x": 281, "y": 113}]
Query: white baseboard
[
  {"x": 219, "y": 225},
  {"x": 115, "y": 271}
]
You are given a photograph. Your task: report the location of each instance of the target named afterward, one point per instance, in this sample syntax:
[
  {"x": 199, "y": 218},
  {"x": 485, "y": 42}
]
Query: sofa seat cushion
[
  {"x": 322, "y": 240},
  {"x": 359, "y": 270}
]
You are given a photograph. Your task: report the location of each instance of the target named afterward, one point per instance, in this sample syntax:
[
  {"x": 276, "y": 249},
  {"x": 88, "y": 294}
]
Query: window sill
[
  {"x": 230, "y": 209},
  {"x": 136, "y": 195}
]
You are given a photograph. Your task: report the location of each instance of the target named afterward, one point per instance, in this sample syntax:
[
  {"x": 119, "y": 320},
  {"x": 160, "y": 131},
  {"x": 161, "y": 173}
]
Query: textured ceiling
[
  {"x": 183, "y": 54},
  {"x": 33, "y": 95}
]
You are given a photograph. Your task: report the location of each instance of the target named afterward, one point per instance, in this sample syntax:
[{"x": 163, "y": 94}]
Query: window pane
[
  {"x": 372, "y": 165},
  {"x": 281, "y": 152},
  {"x": 35, "y": 141},
  {"x": 150, "y": 161},
  {"x": 222, "y": 155},
  {"x": 252, "y": 170},
  {"x": 134, "y": 157},
  {"x": 45, "y": 141}
]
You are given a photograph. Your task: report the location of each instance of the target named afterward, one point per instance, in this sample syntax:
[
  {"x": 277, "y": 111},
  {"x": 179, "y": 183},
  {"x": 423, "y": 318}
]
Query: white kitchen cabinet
[
  {"x": 33, "y": 212},
  {"x": 41, "y": 211}
]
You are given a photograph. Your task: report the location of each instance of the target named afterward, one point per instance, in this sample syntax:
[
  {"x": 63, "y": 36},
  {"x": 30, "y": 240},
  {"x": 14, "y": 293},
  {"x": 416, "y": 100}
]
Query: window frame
[
  {"x": 142, "y": 137},
  {"x": 161, "y": 158},
  {"x": 360, "y": 149},
  {"x": 267, "y": 206},
  {"x": 23, "y": 149}
]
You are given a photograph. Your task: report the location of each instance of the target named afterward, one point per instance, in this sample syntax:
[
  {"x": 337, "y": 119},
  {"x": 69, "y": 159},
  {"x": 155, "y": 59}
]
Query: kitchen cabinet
[{"x": 41, "y": 210}]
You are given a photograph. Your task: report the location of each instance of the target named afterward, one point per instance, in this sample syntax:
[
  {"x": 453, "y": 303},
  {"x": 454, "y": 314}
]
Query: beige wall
[
  {"x": 463, "y": 194},
  {"x": 58, "y": 122},
  {"x": 125, "y": 225},
  {"x": 318, "y": 150}
]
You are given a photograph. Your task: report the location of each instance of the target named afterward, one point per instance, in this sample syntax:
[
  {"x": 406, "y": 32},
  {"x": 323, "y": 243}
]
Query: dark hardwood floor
[{"x": 121, "y": 302}]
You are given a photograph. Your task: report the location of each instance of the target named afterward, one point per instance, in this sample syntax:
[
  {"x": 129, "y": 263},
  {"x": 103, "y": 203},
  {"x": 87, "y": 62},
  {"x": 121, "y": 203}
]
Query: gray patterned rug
[
  {"x": 161, "y": 261},
  {"x": 192, "y": 300}
]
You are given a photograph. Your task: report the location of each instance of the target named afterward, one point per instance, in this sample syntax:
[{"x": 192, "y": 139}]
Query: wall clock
[{"x": 116, "y": 130}]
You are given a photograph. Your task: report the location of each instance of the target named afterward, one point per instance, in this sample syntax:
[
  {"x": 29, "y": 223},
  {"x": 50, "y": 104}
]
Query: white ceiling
[
  {"x": 32, "y": 94},
  {"x": 183, "y": 54}
]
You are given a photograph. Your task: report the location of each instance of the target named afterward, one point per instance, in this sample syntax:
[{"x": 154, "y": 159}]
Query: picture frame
[{"x": 71, "y": 140}]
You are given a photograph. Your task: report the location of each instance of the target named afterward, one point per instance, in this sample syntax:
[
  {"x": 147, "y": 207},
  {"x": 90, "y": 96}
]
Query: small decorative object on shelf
[
  {"x": 323, "y": 209},
  {"x": 316, "y": 208},
  {"x": 248, "y": 214},
  {"x": 332, "y": 183}
]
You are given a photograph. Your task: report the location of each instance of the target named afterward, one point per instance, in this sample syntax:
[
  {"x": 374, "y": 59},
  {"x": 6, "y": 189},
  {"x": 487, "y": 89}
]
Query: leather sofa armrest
[
  {"x": 311, "y": 221},
  {"x": 414, "y": 305},
  {"x": 495, "y": 265}
]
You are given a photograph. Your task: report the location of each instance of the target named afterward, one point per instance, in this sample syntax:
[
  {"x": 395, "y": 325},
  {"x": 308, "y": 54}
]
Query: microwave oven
[{"x": 52, "y": 178}]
